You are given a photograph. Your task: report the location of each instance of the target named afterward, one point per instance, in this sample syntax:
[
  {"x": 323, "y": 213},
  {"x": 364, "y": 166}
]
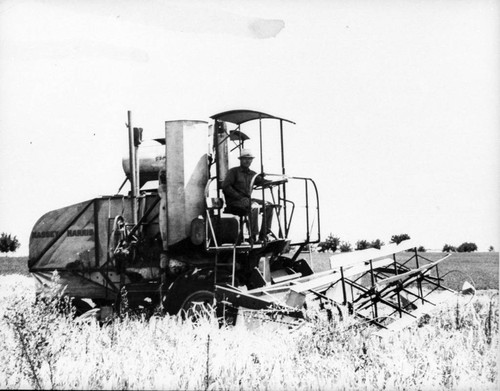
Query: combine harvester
[{"x": 170, "y": 244}]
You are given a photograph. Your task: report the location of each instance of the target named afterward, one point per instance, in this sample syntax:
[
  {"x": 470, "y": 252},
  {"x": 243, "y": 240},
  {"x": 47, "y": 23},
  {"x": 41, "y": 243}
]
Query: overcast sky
[{"x": 396, "y": 102}]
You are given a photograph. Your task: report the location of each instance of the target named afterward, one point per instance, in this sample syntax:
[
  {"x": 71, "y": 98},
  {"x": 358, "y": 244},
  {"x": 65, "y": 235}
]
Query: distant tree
[
  {"x": 491, "y": 248},
  {"x": 377, "y": 243},
  {"x": 421, "y": 249},
  {"x": 399, "y": 238},
  {"x": 8, "y": 243},
  {"x": 362, "y": 244},
  {"x": 345, "y": 247},
  {"x": 331, "y": 243},
  {"x": 449, "y": 249},
  {"x": 467, "y": 247}
]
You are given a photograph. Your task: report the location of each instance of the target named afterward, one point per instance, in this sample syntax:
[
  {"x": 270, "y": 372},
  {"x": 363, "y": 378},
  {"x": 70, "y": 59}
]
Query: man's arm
[{"x": 260, "y": 181}]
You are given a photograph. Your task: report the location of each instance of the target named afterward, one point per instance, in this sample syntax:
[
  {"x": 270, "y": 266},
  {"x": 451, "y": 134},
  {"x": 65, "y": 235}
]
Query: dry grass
[{"x": 454, "y": 349}]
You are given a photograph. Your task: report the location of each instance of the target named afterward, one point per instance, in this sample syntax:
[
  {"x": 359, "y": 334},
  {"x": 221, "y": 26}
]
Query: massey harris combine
[{"x": 170, "y": 243}]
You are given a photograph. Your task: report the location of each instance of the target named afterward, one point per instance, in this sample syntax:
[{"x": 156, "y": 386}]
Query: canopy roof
[{"x": 239, "y": 117}]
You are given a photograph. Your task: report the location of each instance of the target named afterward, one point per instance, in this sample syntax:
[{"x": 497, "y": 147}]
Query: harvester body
[{"x": 173, "y": 246}]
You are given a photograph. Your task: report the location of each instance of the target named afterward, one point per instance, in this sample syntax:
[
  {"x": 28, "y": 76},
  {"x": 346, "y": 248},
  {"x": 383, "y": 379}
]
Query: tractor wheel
[{"x": 198, "y": 305}]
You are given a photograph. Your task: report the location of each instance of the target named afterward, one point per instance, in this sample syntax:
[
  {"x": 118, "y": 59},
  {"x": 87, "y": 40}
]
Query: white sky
[{"x": 396, "y": 102}]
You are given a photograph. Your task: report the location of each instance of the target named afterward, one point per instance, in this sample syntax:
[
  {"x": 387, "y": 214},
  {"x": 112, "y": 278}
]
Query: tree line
[{"x": 333, "y": 243}]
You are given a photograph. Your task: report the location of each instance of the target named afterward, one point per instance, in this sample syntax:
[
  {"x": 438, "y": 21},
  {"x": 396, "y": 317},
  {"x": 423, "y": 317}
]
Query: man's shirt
[{"x": 237, "y": 182}]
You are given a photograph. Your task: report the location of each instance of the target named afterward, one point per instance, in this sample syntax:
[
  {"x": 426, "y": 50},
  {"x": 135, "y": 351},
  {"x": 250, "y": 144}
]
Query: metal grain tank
[{"x": 150, "y": 160}]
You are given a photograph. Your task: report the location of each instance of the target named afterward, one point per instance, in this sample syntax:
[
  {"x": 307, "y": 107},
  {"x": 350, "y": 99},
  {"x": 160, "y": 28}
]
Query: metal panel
[
  {"x": 187, "y": 174},
  {"x": 77, "y": 236},
  {"x": 63, "y": 236}
]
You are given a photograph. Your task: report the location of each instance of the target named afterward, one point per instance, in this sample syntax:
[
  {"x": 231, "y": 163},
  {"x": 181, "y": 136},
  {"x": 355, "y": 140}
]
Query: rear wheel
[{"x": 81, "y": 307}]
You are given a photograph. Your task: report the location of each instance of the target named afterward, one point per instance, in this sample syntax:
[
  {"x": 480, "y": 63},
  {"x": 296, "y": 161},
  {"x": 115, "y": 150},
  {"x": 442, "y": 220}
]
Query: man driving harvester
[{"x": 237, "y": 191}]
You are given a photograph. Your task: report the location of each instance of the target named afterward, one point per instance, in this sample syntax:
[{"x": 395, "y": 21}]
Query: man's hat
[{"x": 246, "y": 153}]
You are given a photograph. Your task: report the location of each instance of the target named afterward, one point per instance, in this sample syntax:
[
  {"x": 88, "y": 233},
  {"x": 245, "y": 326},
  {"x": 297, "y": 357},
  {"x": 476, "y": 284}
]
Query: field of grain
[{"x": 455, "y": 348}]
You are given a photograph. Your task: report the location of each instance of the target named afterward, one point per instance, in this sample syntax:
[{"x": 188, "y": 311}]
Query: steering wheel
[{"x": 272, "y": 183}]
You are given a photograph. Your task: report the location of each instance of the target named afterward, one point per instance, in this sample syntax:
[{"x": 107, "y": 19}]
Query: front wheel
[
  {"x": 203, "y": 305},
  {"x": 198, "y": 305}
]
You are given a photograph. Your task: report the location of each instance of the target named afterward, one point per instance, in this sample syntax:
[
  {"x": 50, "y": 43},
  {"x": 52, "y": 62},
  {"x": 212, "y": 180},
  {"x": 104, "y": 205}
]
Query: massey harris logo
[
  {"x": 44, "y": 234},
  {"x": 80, "y": 232},
  {"x": 70, "y": 232}
]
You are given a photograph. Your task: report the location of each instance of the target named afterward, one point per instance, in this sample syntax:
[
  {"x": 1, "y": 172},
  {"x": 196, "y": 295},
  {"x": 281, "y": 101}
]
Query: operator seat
[
  {"x": 224, "y": 229},
  {"x": 226, "y": 224}
]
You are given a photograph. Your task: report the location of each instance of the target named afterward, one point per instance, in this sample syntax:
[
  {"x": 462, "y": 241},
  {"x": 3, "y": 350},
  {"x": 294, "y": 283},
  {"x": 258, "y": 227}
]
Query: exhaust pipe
[{"x": 133, "y": 176}]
